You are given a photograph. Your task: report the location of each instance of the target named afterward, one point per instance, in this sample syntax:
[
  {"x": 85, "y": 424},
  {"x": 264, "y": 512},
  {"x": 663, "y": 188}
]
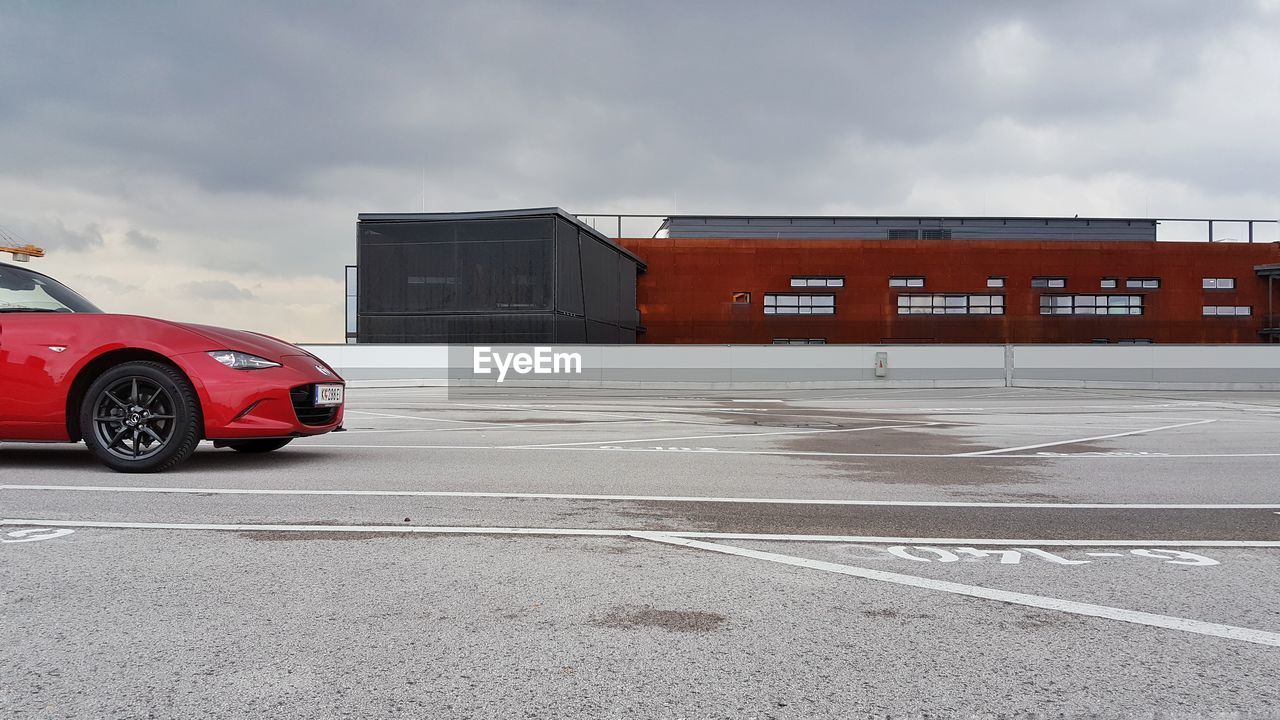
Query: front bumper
[{"x": 267, "y": 403}]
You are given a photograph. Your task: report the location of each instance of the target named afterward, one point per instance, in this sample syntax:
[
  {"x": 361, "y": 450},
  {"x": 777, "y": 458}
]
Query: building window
[
  {"x": 1108, "y": 283},
  {"x": 1218, "y": 283},
  {"x": 907, "y": 282},
  {"x": 940, "y": 304},
  {"x": 817, "y": 282},
  {"x": 799, "y": 341},
  {"x": 796, "y": 304},
  {"x": 936, "y": 234},
  {"x": 904, "y": 235},
  {"x": 1227, "y": 310},
  {"x": 995, "y": 282},
  {"x": 1048, "y": 282},
  {"x": 1142, "y": 283},
  {"x": 742, "y": 298},
  {"x": 1091, "y": 305}
]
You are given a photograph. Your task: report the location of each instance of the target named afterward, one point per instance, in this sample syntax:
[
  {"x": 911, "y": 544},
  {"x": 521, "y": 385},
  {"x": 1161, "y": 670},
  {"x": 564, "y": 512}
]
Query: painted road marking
[
  {"x": 1000, "y": 542},
  {"x": 316, "y": 444},
  {"x": 721, "y": 435},
  {"x": 533, "y": 408},
  {"x": 1083, "y": 440},
  {"x": 35, "y": 534},
  {"x": 1259, "y": 637},
  {"x": 1013, "y": 556},
  {"x": 469, "y": 530},
  {"x": 917, "y": 553},
  {"x": 1107, "y": 453},
  {"x": 414, "y": 417},
  {"x": 646, "y": 498},
  {"x": 523, "y": 426}
]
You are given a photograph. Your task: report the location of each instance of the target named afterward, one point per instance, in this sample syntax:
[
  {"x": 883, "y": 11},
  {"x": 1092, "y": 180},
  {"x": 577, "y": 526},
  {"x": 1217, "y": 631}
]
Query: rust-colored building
[
  {"x": 793, "y": 286},
  {"x": 542, "y": 275}
]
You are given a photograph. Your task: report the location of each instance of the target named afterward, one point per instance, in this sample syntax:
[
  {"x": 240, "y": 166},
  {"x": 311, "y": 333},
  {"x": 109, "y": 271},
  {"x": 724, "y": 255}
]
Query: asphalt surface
[{"x": 904, "y": 553}]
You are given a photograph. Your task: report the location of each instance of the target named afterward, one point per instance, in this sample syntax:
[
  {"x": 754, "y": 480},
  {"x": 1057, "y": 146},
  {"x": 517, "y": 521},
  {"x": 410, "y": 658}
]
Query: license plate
[{"x": 329, "y": 394}]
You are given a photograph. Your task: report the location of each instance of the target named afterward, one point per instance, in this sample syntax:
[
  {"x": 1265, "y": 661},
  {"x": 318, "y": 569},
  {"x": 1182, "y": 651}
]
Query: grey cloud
[
  {"x": 250, "y": 98},
  {"x": 215, "y": 290},
  {"x": 53, "y": 234},
  {"x": 141, "y": 240},
  {"x": 731, "y": 106},
  {"x": 86, "y": 283}
]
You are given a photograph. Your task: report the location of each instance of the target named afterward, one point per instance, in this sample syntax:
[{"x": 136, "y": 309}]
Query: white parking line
[
  {"x": 720, "y": 435},
  {"x": 642, "y": 498},
  {"x": 520, "y": 408},
  {"x": 958, "y": 423},
  {"x": 350, "y": 411},
  {"x": 588, "y": 532},
  {"x": 682, "y": 411},
  {"x": 525, "y": 426},
  {"x": 313, "y": 444},
  {"x": 392, "y": 529},
  {"x": 1083, "y": 440},
  {"x": 1232, "y": 632}
]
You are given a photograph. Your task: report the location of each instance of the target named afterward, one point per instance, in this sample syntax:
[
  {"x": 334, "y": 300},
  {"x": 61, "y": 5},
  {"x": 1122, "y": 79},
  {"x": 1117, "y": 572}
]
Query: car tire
[
  {"x": 257, "y": 446},
  {"x": 141, "y": 417}
]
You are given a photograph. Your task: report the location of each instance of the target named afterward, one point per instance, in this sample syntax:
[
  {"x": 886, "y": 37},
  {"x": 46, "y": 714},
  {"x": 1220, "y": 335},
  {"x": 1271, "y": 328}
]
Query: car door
[{"x": 35, "y": 359}]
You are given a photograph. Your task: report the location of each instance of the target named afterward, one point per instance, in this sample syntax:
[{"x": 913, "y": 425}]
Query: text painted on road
[
  {"x": 34, "y": 534},
  {"x": 1014, "y": 556}
]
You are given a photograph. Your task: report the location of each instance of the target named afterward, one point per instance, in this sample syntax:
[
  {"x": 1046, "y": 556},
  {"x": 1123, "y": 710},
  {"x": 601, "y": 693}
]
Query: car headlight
[{"x": 241, "y": 361}]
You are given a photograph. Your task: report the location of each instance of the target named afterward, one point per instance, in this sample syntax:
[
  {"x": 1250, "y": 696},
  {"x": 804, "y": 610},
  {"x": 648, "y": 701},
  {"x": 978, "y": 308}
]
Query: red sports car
[{"x": 143, "y": 392}]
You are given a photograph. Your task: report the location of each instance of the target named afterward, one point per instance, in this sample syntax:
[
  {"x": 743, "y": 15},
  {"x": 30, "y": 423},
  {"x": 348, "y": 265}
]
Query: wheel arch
[{"x": 102, "y": 363}]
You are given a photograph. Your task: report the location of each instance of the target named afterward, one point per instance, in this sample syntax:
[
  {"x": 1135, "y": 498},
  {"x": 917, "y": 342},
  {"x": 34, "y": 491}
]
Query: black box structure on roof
[{"x": 511, "y": 276}]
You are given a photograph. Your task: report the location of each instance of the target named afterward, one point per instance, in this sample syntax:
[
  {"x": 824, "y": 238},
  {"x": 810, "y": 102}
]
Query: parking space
[{"x": 667, "y": 554}]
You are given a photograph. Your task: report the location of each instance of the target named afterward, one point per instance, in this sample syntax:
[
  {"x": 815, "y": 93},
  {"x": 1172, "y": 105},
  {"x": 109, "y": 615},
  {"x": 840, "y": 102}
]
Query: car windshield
[{"x": 26, "y": 291}]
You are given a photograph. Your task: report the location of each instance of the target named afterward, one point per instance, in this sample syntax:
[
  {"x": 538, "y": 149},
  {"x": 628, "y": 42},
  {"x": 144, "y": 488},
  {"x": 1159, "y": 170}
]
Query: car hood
[{"x": 263, "y": 346}]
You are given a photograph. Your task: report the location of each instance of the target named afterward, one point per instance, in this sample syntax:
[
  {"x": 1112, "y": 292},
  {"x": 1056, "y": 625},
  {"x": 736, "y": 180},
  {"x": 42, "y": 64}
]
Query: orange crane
[{"x": 22, "y": 253}]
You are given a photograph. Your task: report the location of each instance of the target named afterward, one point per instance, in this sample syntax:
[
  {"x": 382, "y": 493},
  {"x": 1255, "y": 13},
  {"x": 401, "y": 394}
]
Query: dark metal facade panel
[
  {"x": 569, "y": 298},
  {"x": 600, "y": 277},
  {"x": 475, "y": 266},
  {"x": 459, "y": 329},
  {"x": 547, "y": 212},
  {"x": 505, "y": 277}
]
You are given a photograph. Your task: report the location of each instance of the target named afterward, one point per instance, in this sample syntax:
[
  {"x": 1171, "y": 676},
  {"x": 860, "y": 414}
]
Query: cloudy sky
[{"x": 206, "y": 161}]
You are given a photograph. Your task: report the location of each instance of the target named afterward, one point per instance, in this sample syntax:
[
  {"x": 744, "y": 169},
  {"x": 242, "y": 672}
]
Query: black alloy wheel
[{"x": 141, "y": 417}]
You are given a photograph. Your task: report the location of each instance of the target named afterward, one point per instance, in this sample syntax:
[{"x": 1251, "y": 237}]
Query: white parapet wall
[
  {"x": 1186, "y": 367},
  {"x": 405, "y": 364},
  {"x": 1223, "y": 367}
]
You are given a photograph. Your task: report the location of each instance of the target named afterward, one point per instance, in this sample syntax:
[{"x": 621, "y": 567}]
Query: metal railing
[
  {"x": 612, "y": 224},
  {"x": 1250, "y": 230},
  {"x": 1214, "y": 230}
]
